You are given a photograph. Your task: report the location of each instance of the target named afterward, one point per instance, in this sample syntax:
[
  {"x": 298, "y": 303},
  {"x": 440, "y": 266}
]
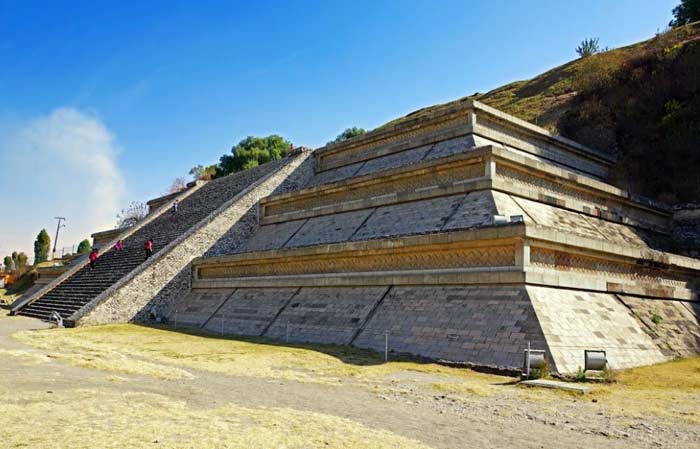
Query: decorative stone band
[
  {"x": 464, "y": 118},
  {"x": 437, "y": 256},
  {"x": 506, "y": 254},
  {"x": 577, "y": 270},
  {"x": 488, "y": 167}
]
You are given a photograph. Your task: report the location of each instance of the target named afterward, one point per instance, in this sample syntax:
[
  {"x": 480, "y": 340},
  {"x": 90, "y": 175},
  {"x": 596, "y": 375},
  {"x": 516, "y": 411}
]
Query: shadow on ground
[{"x": 346, "y": 354}]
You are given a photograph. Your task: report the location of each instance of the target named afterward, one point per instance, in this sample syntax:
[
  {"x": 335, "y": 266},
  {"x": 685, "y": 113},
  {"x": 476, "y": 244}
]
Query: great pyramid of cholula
[{"x": 462, "y": 233}]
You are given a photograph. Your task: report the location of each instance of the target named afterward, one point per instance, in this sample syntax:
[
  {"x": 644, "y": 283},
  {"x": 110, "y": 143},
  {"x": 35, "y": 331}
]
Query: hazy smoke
[{"x": 64, "y": 163}]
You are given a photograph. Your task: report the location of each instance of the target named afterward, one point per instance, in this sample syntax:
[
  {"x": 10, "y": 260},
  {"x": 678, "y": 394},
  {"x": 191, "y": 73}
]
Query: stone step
[
  {"x": 64, "y": 301},
  {"x": 31, "y": 314},
  {"x": 47, "y": 310}
]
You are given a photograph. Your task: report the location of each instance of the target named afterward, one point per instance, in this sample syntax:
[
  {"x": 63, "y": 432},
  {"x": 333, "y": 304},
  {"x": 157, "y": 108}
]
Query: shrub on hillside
[
  {"x": 647, "y": 111},
  {"x": 251, "y": 152},
  {"x": 686, "y": 12},
  {"x": 349, "y": 133},
  {"x": 588, "y": 47}
]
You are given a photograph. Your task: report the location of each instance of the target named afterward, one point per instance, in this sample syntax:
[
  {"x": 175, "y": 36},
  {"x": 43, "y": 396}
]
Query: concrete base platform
[{"x": 557, "y": 385}]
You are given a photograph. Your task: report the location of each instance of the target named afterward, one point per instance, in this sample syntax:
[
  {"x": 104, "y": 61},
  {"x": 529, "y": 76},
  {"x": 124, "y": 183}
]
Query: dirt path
[{"x": 410, "y": 409}]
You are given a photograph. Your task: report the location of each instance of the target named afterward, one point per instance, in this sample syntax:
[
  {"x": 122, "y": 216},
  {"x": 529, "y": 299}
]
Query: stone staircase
[{"x": 86, "y": 284}]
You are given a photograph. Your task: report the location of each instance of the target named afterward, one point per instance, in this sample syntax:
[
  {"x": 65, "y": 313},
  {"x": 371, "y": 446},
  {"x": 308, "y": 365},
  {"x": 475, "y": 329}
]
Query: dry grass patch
[
  {"x": 667, "y": 390},
  {"x": 127, "y": 344},
  {"x": 96, "y": 418},
  {"x": 670, "y": 389},
  {"x": 62, "y": 344},
  {"x": 26, "y": 356}
]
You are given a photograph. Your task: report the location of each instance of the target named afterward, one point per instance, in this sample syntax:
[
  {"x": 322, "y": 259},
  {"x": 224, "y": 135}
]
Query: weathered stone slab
[
  {"x": 416, "y": 217},
  {"x": 560, "y": 219},
  {"x": 329, "y": 228},
  {"x": 334, "y": 175},
  {"x": 454, "y": 146},
  {"x": 195, "y": 308},
  {"x": 478, "y": 208},
  {"x": 489, "y": 325},
  {"x": 249, "y": 310},
  {"x": 326, "y": 315},
  {"x": 394, "y": 160},
  {"x": 272, "y": 236},
  {"x": 573, "y": 321},
  {"x": 673, "y": 325}
]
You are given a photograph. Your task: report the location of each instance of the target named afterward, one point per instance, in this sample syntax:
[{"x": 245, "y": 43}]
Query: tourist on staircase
[
  {"x": 119, "y": 245},
  {"x": 176, "y": 204},
  {"x": 93, "y": 258},
  {"x": 148, "y": 246}
]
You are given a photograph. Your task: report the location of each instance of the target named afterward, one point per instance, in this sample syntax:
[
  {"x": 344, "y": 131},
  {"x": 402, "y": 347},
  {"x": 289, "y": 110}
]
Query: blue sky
[{"x": 106, "y": 102}]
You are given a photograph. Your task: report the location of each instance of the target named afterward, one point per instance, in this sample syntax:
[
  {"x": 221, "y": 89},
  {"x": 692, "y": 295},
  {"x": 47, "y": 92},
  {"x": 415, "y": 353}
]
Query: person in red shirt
[
  {"x": 93, "y": 258},
  {"x": 148, "y": 246}
]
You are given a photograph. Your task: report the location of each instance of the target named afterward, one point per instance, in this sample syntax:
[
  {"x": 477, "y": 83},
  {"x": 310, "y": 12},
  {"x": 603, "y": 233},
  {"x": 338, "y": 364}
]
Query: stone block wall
[
  {"x": 673, "y": 325},
  {"x": 194, "y": 308},
  {"x": 326, "y": 314},
  {"x": 573, "y": 321},
  {"x": 250, "y": 311},
  {"x": 410, "y": 218},
  {"x": 489, "y": 325}
]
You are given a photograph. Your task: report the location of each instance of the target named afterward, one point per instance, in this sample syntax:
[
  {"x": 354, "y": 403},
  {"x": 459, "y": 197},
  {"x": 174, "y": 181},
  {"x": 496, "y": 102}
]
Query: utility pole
[{"x": 58, "y": 227}]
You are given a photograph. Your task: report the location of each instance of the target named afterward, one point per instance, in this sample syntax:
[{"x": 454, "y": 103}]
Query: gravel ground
[{"x": 432, "y": 410}]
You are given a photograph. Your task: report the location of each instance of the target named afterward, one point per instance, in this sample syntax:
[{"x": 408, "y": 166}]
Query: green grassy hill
[{"x": 640, "y": 102}]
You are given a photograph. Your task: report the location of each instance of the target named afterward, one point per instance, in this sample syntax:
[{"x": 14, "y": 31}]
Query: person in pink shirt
[
  {"x": 93, "y": 258},
  {"x": 148, "y": 246},
  {"x": 119, "y": 245}
]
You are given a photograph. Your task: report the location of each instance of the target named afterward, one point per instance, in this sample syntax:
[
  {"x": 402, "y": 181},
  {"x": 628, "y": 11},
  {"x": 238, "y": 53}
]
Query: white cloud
[{"x": 64, "y": 163}]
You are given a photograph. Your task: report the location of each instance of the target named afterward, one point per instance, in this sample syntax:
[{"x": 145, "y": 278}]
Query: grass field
[
  {"x": 670, "y": 389},
  {"x": 97, "y": 418},
  {"x": 123, "y": 348}
]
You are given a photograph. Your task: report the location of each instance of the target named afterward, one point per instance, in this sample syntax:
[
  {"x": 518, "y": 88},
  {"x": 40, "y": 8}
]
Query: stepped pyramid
[{"x": 460, "y": 232}]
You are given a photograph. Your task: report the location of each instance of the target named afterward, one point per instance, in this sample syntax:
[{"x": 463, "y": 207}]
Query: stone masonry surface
[
  {"x": 249, "y": 311},
  {"x": 326, "y": 315},
  {"x": 573, "y": 321},
  {"x": 490, "y": 325},
  {"x": 194, "y": 308},
  {"x": 673, "y": 325},
  {"x": 112, "y": 266},
  {"x": 156, "y": 287}
]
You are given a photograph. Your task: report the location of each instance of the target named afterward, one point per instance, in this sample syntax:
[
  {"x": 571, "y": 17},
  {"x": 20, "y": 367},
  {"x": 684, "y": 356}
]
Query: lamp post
[{"x": 59, "y": 225}]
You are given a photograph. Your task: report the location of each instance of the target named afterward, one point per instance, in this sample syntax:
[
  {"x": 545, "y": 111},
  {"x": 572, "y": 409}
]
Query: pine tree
[
  {"x": 42, "y": 246},
  {"x": 21, "y": 260},
  {"x": 8, "y": 264},
  {"x": 84, "y": 247}
]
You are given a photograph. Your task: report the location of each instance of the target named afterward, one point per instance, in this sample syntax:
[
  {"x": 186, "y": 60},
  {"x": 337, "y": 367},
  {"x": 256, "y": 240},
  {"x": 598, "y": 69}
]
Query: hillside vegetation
[{"x": 640, "y": 102}]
